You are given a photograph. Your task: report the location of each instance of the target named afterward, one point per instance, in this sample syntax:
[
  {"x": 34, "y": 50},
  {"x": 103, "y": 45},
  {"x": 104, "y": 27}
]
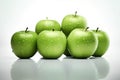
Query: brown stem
[
  {"x": 86, "y": 28},
  {"x": 97, "y": 29},
  {"x": 26, "y": 29}
]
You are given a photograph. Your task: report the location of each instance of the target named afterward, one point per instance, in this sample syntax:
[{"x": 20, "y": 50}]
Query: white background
[{"x": 16, "y": 15}]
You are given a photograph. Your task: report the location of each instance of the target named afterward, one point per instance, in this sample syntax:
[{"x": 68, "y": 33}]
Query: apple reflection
[
  {"x": 80, "y": 69},
  {"x": 51, "y": 70},
  {"x": 24, "y": 69},
  {"x": 102, "y": 66}
]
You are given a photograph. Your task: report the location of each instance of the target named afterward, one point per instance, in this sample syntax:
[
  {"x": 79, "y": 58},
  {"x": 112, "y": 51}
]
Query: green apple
[
  {"x": 51, "y": 44},
  {"x": 103, "y": 42},
  {"x": 71, "y": 22},
  {"x": 82, "y": 43},
  {"x": 24, "y": 43},
  {"x": 47, "y": 25}
]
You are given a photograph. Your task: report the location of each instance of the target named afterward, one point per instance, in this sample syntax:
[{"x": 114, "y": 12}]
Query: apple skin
[
  {"x": 82, "y": 43},
  {"x": 103, "y": 43},
  {"x": 47, "y": 25},
  {"x": 51, "y": 44},
  {"x": 24, "y": 44},
  {"x": 71, "y": 22}
]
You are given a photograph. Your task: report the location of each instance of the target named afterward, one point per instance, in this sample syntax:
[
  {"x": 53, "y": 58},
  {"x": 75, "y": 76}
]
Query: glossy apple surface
[
  {"x": 47, "y": 25},
  {"x": 71, "y": 22},
  {"x": 103, "y": 43},
  {"x": 51, "y": 44},
  {"x": 82, "y": 43},
  {"x": 24, "y": 44}
]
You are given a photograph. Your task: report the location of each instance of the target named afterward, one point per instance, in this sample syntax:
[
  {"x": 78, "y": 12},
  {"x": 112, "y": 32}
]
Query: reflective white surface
[
  {"x": 46, "y": 69},
  {"x": 16, "y": 15}
]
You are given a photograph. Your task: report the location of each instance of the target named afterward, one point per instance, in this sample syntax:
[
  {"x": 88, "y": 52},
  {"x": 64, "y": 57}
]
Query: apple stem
[
  {"x": 75, "y": 13},
  {"x": 86, "y": 28},
  {"x": 26, "y": 29},
  {"x": 97, "y": 29}
]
